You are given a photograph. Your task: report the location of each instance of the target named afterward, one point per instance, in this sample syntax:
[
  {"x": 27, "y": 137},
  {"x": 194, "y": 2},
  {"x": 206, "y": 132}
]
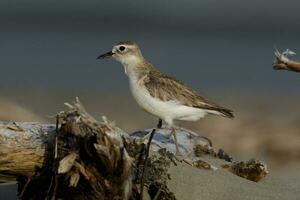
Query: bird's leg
[
  {"x": 173, "y": 132},
  {"x": 146, "y": 157},
  {"x": 159, "y": 125},
  {"x": 147, "y": 136}
]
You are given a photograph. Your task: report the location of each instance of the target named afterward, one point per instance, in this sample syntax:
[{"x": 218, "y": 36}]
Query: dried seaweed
[
  {"x": 202, "y": 164},
  {"x": 157, "y": 174},
  {"x": 200, "y": 150},
  {"x": 252, "y": 169},
  {"x": 224, "y": 156}
]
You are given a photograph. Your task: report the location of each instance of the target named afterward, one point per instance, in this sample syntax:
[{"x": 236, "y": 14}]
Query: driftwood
[
  {"x": 79, "y": 158},
  {"x": 23, "y": 148},
  {"x": 282, "y": 62}
]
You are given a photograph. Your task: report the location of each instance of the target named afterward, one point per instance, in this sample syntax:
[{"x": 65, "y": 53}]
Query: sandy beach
[
  {"x": 200, "y": 184},
  {"x": 222, "y": 185}
]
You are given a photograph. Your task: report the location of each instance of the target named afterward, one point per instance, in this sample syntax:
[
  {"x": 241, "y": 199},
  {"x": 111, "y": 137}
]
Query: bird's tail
[
  {"x": 222, "y": 111},
  {"x": 226, "y": 112}
]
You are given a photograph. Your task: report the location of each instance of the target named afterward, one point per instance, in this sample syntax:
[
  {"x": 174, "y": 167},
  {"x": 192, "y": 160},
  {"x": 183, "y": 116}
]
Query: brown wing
[{"x": 167, "y": 88}]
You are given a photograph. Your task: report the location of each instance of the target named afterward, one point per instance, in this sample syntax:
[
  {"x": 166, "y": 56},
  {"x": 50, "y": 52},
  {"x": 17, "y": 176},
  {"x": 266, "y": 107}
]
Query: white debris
[{"x": 288, "y": 52}]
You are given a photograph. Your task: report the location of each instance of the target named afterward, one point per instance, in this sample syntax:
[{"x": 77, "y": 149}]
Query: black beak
[{"x": 106, "y": 55}]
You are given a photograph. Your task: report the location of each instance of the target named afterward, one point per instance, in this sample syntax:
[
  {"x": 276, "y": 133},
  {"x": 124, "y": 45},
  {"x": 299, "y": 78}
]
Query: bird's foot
[
  {"x": 169, "y": 136},
  {"x": 178, "y": 155},
  {"x": 179, "y": 158}
]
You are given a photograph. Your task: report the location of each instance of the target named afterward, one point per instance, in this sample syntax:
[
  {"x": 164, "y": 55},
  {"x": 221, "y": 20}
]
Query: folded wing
[{"x": 167, "y": 88}]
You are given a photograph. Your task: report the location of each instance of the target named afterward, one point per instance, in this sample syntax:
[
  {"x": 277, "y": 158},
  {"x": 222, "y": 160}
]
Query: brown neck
[{"x": 139, "y": 69}]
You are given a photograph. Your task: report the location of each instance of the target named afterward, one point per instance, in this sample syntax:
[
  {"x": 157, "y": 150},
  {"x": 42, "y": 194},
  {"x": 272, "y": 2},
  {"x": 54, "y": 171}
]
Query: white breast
[{"x": 166, "y": 110}]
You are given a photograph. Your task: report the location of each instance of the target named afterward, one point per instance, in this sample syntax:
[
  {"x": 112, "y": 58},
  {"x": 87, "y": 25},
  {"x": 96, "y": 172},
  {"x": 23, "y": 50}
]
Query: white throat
[{"x": 130, "y": 63}]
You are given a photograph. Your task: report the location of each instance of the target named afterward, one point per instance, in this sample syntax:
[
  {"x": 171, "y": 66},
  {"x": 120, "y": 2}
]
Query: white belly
[{"x": 166, "y": 110}]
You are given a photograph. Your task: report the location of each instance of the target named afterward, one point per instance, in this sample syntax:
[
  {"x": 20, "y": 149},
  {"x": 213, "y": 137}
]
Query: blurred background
[{"x": 223, "y": 49}]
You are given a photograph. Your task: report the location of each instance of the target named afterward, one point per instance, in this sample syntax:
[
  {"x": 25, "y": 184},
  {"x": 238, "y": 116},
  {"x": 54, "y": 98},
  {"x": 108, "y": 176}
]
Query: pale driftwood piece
[
  {"x": 22, "y": 148},
  {"x": 282, "y": 62}
]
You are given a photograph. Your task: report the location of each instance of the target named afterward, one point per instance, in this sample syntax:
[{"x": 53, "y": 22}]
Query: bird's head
[{"x": 126, "y": 52}]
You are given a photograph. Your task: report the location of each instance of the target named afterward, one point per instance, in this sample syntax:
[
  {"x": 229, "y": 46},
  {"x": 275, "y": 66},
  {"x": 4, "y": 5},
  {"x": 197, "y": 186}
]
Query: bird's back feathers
[{"x": 167, "y": 88}]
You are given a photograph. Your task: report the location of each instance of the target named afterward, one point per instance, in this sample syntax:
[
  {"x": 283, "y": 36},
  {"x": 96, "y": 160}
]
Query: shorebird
[{"x": 159, "y": 94}]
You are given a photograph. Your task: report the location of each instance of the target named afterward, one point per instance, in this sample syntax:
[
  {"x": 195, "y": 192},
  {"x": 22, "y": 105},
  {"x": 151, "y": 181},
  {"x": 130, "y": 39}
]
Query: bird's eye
[{"x": 121, "y": 48}]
